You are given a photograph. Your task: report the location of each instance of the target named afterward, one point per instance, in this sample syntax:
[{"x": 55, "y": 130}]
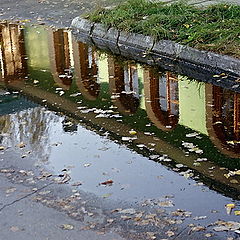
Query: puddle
[{"x": 156, "y": 134}]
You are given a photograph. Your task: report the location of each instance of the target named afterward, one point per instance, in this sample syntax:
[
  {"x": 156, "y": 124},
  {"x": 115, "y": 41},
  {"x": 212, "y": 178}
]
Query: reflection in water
[
  {"x": 161, "y": 98},
  {"x": 166, "y": 102},
  {"x": 31, "y": 127},
  {"x": 60, "y": 58},
  {"x": 12, "y": 52},
  {"x": 86, "y": 70},
  {"x": 69, "y": 126},
  {"x": 223, "y": 119},
  {"x": 124, "y": 86}
]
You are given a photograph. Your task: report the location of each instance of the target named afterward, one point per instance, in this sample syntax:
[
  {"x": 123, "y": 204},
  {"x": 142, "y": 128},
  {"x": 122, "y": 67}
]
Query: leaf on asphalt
[
  {"x": 226, "y": 226},
  {"x": 197, "y": 229},
  {"x": 107, "y": 195},
  {"x": 44, "y": 192},
  {"x": 170, "y": 233},
  {"x": 128, "y": 211},
  {"x": 11, "y": 190},
  {"x": 2, "y": 148},
  {"x": 67, "y": 227},
  {"x": 15, "y": 229},
  {"x": 7, "y": 171},
  {"x": 166, "y": 204}
]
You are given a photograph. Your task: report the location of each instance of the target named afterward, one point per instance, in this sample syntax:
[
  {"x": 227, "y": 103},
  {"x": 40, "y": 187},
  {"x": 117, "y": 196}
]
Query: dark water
[{"x": 154, "y": 133}]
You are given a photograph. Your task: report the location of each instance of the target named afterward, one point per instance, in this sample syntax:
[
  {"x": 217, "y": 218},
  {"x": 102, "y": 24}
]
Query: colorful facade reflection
[
  {"x": 168, "y": 100},
  {"x": 86, "y": 70},
  {"x": 12, "y": 52},
  {"x": 124, "y": 86},
  {"x": 223, "y": 119},
  {"x": 161, "y": 98},
  {"x": 60, "y": 58}
]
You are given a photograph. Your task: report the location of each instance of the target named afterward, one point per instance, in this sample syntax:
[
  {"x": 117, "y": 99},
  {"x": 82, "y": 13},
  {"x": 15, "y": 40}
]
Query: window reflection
[
  {"x": 223, "y": 119},
  {"x": 124, "y": 86},
  {"x": 161, "y": 98},
  {"x": 12, "y": 52},
  {"x": 61, "y": 64},
  {"x": 86, "y": 70}
]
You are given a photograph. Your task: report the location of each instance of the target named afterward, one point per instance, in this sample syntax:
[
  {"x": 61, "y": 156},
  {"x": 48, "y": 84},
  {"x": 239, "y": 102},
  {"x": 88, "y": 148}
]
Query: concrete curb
[{"x": 145, "y": 49}]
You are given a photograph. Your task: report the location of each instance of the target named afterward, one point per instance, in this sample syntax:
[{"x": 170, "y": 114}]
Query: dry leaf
[
  {"x": 67, "y": 227},
  {"x": 108, "y": 182}
]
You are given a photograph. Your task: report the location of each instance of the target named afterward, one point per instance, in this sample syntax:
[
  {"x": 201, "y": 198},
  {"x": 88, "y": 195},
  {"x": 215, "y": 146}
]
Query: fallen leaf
[
  {"x": 166, "y": 204},
  {"x": 128, "y": 211},
  {"x": 15, "y": 229},
  {"x": 67, "y": 227},
  {"x": 108, "y": 182},
  {"x": 229, "y": 207},
  {"x": 107, "y": 195},
  {"x": 170, "y": 233},
  {"x": 132, "y": 132},
  {"x": 237, "y": 213},
  {"x": 87, "y": 165},
  {"x": 21, "y": 145}
]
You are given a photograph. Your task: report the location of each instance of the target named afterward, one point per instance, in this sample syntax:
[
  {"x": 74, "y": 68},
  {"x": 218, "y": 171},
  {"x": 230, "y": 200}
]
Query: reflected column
[
  {"x": 161, "y": 98},
  {"x": 60, "y": 58},
  {"x": 86, "y": 70},
  {"x": 124, "y": 86},
  {"x": 223, "y": 119},
  {"x": 12, "y": 52}
]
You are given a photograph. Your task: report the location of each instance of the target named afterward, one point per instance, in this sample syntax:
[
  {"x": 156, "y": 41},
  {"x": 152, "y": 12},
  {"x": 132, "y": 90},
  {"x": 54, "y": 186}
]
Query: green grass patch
[{"x": 215, "y": 28}]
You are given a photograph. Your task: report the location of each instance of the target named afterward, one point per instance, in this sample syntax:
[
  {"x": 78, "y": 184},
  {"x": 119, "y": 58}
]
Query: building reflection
[
  {"x": 124, "y": 86},
  {"x": 86, "y": 70},
  {"x": 60, "y": 57},
  {"x": 12, "y": 52},
  {"x": 161, "y": 98},
  {"x": 223, "y": 119}
]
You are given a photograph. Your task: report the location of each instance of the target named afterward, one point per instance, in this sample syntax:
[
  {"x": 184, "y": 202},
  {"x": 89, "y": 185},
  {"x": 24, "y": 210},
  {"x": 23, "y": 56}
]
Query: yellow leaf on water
[
  {"x": 237, "y": 213},
  {"x": 132, "y": 132},
  {"x": 231, "y": 205}
]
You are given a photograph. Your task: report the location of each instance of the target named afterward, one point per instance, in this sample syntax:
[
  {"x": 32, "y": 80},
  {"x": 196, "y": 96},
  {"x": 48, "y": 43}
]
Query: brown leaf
[{"x": 108, "y": 182}]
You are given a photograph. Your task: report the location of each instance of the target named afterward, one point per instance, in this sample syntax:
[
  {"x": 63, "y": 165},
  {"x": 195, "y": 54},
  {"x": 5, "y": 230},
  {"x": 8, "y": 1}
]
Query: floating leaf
[
  {"x": 21, "y": 145},
  {"x": 237, "y": 213},
  {"x": 132, "y": 132},
  {"x": 229, "y": 207},
  {"x": 108, "y": 182}
]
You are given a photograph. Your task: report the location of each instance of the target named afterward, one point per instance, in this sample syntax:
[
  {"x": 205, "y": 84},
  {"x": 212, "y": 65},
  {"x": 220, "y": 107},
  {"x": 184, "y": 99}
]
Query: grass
[{"x": 215, "y": 28}]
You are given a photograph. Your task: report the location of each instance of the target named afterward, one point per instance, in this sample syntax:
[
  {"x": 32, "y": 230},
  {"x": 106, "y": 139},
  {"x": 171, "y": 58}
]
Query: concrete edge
[{"x": 129, "y": 44}]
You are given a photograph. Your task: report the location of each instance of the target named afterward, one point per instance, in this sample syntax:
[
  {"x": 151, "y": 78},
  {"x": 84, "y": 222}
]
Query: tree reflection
[{"x": 31, "y": 126}]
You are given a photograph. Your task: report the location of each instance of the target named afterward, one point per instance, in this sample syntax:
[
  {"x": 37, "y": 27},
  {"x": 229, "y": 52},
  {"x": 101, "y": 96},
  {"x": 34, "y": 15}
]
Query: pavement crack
[
  {"x": 26, "y": 196},
  {"x": 177, "y": 235}
]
